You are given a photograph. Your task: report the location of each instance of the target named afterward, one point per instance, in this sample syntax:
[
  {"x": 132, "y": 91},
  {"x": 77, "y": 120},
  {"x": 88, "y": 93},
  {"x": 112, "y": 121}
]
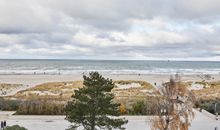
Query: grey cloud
[
  {"x": 115, "y": 13},
  {"x": 48, "y": 26},
  {"x": 42, "y": 16}
]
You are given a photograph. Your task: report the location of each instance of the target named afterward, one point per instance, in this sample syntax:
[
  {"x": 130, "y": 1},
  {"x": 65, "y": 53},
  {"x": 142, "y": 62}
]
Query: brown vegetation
[
  {"x": 175, "y": 107},
  {"x": 34, "y": 99},
  {"x": 62, "y": 91},
  {"x": 58, "y": 91},
  {"x": 211, "y": 91},
  {"x": 40, "y": 107}
]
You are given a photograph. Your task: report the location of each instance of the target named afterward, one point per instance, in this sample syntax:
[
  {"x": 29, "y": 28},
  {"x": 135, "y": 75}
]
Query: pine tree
[{"x": 93, "y": 104}]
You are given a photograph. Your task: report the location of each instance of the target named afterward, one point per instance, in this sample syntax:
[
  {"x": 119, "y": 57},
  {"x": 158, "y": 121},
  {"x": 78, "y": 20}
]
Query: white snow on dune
[{"x": 128, "y": 86}]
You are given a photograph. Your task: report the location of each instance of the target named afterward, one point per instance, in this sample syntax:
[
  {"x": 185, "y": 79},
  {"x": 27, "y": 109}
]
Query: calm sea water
[{"x": 108, "y": 67}]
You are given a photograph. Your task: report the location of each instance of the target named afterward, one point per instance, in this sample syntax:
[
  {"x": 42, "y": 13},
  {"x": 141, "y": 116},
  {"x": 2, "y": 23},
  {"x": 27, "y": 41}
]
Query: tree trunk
[
  {"x": 167, "y": 124},
  {"x": 93, "y": 122},
  {"x": 166, "y": 127}
]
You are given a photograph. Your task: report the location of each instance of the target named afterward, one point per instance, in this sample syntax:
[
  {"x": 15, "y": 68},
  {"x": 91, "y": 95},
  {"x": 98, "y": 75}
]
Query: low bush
[
  {"x": 39, "y": 107},
  {"x": 9, "y": 105},
  {"x": 15, "y": 127},
  {"x": 210, "y": 105}
]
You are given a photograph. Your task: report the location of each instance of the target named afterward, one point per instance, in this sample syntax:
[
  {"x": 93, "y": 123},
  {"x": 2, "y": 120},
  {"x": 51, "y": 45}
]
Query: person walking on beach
[{"x": 2, "y": 125}]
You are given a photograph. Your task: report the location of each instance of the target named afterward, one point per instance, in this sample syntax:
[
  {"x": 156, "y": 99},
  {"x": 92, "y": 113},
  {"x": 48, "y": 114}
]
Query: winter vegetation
[
  {"x": 50, "y": 98},
  {"x": 170, "y": 104},
  {"x": 135, "y": 97},
  {"x": 15, "y": 127},
  {"x": 175, "y": 105},
  {"x": 8, "y": 88}
]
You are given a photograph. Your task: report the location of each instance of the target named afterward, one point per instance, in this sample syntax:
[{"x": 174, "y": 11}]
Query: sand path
[{"x": 200, "y": 122}]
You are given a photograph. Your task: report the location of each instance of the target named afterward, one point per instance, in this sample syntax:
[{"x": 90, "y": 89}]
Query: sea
[{"x": 130, "y": 67}]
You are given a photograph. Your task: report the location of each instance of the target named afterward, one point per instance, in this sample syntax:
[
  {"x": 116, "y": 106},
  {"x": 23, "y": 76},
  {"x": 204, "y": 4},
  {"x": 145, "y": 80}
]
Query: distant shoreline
[
  {"x": 112, "y": 67},
  {"x": 38, "y": 79},
  {"x": 107, "y": 73}
]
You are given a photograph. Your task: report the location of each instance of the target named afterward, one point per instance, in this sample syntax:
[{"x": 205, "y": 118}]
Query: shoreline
[{"x": 32, "y": 80}]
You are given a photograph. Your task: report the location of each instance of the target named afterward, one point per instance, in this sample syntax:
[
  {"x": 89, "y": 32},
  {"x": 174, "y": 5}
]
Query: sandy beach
[{"x": 32, "y": 80}]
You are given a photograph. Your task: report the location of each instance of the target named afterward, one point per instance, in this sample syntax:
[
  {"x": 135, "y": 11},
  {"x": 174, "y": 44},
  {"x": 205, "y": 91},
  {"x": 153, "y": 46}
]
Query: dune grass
[
  {"x": 62, "y": 91},
  {"x": 9, "y": 86},
  {"x": 208, "y": 93}
]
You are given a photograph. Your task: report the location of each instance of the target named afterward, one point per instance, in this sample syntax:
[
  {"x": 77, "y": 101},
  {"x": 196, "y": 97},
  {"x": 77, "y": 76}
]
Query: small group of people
[{"x": 3, "y": 124}]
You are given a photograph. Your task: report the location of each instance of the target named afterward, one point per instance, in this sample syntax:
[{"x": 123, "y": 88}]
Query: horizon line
[{"x": 168, "y": 60}]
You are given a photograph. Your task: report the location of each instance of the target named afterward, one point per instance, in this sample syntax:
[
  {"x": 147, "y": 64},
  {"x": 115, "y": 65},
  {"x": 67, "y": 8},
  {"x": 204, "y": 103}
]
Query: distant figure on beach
[
  {"x": 34, "y": 73},
  {"x": 4, "y": 123},
  {"x": 44, "y": 73},
  {"x": 200, "y": 109},
  {"x": 216, "y": 116}
]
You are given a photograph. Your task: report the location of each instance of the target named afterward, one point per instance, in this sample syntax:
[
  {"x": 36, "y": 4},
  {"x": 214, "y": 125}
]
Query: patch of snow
[
  {"x": 67, "y": 90},
  {"x": 196, "y": 86},
  {"x": 147, "y": 91},
  {"x": 128, "y": 86}
]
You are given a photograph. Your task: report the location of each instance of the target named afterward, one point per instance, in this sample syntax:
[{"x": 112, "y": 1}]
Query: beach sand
[{"x": 32, "y": 80}]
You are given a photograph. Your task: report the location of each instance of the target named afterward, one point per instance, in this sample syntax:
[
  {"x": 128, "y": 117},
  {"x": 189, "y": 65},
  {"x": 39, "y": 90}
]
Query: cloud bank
[{"x": 110, "y": 29}]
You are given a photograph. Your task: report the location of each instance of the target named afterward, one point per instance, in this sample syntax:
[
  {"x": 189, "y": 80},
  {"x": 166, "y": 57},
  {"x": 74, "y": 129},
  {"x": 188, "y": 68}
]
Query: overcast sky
[{"x": 110, "y": 29}]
